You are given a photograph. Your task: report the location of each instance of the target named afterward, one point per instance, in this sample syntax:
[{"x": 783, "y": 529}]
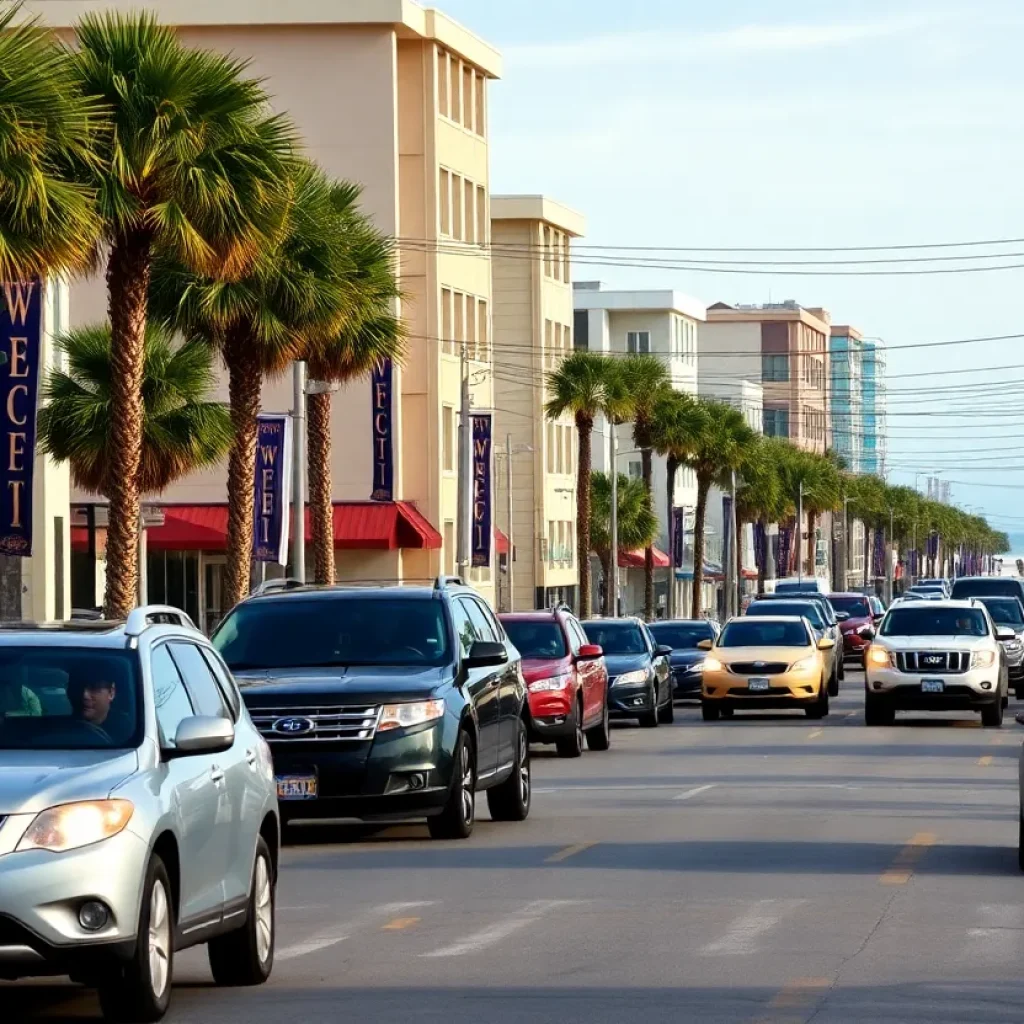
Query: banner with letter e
[
  {"x": 382, "y": 382},
  {"x": 483, "y": 531},
  {"x": 273, "y": 489}
]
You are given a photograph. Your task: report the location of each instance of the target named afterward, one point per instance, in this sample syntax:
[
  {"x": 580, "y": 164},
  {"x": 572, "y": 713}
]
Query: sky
[{"x": 680, "y": 123}]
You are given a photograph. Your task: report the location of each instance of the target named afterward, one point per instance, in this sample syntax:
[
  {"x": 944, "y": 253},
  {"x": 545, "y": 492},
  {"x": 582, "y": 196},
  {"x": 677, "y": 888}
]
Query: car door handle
[{"x": 216, "y": 775}]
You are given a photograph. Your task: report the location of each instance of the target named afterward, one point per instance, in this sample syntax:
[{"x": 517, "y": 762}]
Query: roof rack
[
  {"x": 148, "y": 615},
  {"x": 443, "y": 582},
  {"x": 269, "y": 586},
  {"x": 561, "y": 606}
]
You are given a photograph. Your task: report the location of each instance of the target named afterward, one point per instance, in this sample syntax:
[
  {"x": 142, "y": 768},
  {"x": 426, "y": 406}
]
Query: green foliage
[{"x": 637, "y": 524}]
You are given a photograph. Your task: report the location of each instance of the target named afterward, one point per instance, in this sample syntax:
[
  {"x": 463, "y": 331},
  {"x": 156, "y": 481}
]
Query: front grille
[
  {"x": 758, "y": 668},
  {"x": 933, "y": 661},
  {"x": 319, "y": 724}
]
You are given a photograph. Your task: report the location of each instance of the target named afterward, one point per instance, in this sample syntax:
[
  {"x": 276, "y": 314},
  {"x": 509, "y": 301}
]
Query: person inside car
[
  {"x": 17, "y": 701},
  {"x": 93, "y": 698}
]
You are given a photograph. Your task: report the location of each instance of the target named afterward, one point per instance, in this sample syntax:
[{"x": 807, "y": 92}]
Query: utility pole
[
  {"x": 511, "y": 544},
  {"x": 732, "y": 603},
  {"x": 800, "y": 534},
  {"x": 465, "y": 528},
  {"x": 299, "y": 470},
  {"x": 889, "y": 556},
  {"x": 614, "y": 522}
]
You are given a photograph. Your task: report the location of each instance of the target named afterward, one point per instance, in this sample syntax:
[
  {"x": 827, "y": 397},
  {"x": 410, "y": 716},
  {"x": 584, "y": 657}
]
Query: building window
[
  {"x": 472, "y": 228},
  {"x": 481, "y": 91},
  {"x": 445, "y": 202},
  {"x": 775, "y": 368},
  {"x": 444, "y": 86},
  {"x": 458, "y": 221},
  {"x": 482, "y": 232},
  {"x": 447, "y": 320},
  {"x": 448, "y": 437},
  {"x": 581, "y": 329},
  {"x": 467, "y": 97},
  {"x": 776, "y": 422},
  {"x": 636, "y": 470},
  {"x": 484, "y": 336},
  {"x": 638, "y": 342}
]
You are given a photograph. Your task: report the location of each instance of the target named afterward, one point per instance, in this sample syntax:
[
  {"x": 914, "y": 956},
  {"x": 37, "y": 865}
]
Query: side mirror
[
  {"x": 826, "y": 644},
  {"x": 486, "y": 654},
  {"x": 1005, "y": 634},
  {"x": 705, "y": 645},
  {"x": 590, "y": 652},
  {"x": 662, "y": 651},
  {"x": 878, "y": 616},
  {"x": 842, "y": 616},
  {"x": 203, "y": 735}
]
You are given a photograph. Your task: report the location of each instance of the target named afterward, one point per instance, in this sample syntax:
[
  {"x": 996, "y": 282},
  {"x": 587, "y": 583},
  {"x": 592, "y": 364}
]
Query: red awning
[
  {"x": 500, "y": 542},
  {"x": 635, "y": 559},
  {"x": 358, "y": 526}
]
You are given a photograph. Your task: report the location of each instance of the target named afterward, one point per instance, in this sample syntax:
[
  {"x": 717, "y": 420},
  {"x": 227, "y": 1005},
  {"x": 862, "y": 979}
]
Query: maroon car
[
  {"x": 858, "y": 628},
  {"x": 566, "y": 680}
]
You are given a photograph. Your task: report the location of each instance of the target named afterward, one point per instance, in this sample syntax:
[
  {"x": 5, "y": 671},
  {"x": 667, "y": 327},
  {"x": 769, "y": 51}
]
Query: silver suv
[
  {"x": 937, "y": 656},
  {"x": 138, "y": 812}
]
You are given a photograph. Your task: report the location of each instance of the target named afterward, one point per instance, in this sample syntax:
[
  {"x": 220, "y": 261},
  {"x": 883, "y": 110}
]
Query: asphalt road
[{"x": 767, "y": 869}]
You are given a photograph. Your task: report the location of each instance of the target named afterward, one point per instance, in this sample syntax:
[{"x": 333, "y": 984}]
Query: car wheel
[
  {"x": 140, "y": 990},
  {"x": 841, "y": 675},
  {"x": 833, "y": 683},
  {"x": 650, "y": 720},
  {"x": 572, "y": 745},
  {"x": 600, "y": 737},
  {"x": 1020, "y": 842},
  {"x": 710, "y": 713},
  {"x": 459, "y": 815},
  {"x": 511, "y": 800},
  {"x": 667, "y": 715},
  {"x": 992, "y": 714},
  {"x": 877, "y": 712},
  {"x": 245, "y": 956},
  {"x": 819, "y": 709},
  {"x": 728, "y": 712}
]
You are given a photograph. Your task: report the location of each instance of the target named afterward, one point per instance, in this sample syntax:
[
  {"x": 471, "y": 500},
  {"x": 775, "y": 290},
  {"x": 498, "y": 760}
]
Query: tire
[
  {"x": 600, "y": 736},
  {"x": 667, "y": 715},
  {"x": 833, "y": 683},
  {"x": 992, "y": 714},
  {"x": 511, "y": 800},
  {"x": 459, "y": 815},
  {"x": 572, "y": 745},
  {"x": 651, "y": 719},
  {"x": 841, "y": 658},
  {"x": 140, "y": 990},
  {"x": 819, "y": 709},
  {"x": 1020, "y": 842},
  {"x": 245, "y": 957},
  {"x": 710, "y": 713},
  {"x": 877, "y": 713},
  {"x": 728, "y": 712}
]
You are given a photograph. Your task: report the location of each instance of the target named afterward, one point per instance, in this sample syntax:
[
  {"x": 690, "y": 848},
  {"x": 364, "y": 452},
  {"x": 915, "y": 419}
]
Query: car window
[
  {"x": 651, "y": 642},
  {"x": 579, "y": 638},
  {"x": 535, "y": 638},
  {"x": 170, "y": 697},
  {"x": 805, "y": 609},
  {"x": 491, "y": 621},
  {"x": 1006, "y": 611},
  {"x": 929, "y": 619},
  {"x": 479, "y": 620},
  {"x": 463, "y": 626},
  {"x": 206, "y": 696},
  {"x": 682, "y": 635},
  {"x": 224, "y": 680},
  {"x": 616, "y": 637},
  {"x": 855, "y": 607},
  {"x": 747, "y": 632}
]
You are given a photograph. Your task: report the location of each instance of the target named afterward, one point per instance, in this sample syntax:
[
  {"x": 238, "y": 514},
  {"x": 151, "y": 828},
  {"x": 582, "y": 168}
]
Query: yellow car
[{"x": 765, "y": 662}]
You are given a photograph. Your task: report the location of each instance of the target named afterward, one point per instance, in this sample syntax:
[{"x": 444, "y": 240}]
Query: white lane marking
[
  {"x": 741, "y": 937},
  {"x": 340, "y": 932},
  {"x": 495, "y": 933},
  {"x": 691, "y": 793}
]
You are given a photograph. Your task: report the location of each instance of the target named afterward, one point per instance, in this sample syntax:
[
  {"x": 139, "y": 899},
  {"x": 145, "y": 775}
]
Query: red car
[
  {"x": 858, "y": 628},
  {"x": 566, "y": 680}
]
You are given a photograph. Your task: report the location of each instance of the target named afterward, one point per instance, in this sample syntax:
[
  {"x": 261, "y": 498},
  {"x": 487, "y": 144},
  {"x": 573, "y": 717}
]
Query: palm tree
[
  {"x": 644, "y": 378},
  {"x": 48, "y": 223},
  {"x": 580, "y": 386},
  {"x": 721, "y": 447},
  {"x": 191, "y": 165},
  {"x": 182, "y": 429},
  {"x": 636, "y": 524},
  {"x": 761, "y": 497}
]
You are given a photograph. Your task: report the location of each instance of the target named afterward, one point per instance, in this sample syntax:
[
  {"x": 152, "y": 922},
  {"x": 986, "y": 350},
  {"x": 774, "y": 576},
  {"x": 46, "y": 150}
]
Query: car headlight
[
  {"x": 868, "y": 631},
  {"x": 403, "y": 716},
  {"x": 983, "y": 659},
  {"x": 697, "y": 666},
  {"x": 712, "y": 665},
  {"x": 552, "y": 683},
  {"x": 879, "y": 657},
  {"x": 71, "y": 826},
  {"x": 805, "y": 665},
  {"x": 1013, "y": 646},
  {"x": 632, "y": 678}
]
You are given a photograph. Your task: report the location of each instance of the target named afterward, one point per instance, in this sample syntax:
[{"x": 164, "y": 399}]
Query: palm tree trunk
[
  {"x": 762, "y": 561},
  {"x": 321, "y": 506},
  {"x": 812, "y": 544},
  {"x": 738, "y": 558},
  {"x": 585, "y": 427},
  {"x": 671, "y": 466},
  {"x": 128, "y": 273},
  {"x": 867, "y": 553},
  {"x": 703, "y": 486},
  {"x": 245, "y": 380},
  {"x": 647, "y": 470},
  {"x": 609, "y": 598}
]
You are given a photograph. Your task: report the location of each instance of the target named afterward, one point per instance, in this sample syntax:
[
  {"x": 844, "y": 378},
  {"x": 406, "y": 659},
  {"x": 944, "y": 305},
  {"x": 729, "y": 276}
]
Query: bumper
[
  {"x": 687, "y": 685},
  {"x": 787, "y": 689},
  {"x": 40, "y": 896},
  {"x": 967, "y": 691},
  {"x": 550, "y": 715},
  {"x": 854, "y": 645},
  {"x": 630, "y": 701}
]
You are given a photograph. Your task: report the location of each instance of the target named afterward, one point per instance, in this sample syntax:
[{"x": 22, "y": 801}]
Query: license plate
[
  {"x": 296, "y": 787},
  {"x": 932, "y": 685},
  {"x": 759, "y": 684}
]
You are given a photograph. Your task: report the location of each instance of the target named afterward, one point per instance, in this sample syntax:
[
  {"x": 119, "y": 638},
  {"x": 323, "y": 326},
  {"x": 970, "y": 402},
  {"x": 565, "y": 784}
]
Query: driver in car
[{"x": 91, "y": 698}]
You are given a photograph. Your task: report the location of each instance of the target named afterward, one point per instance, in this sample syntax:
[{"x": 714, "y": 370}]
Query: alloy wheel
[
  {"x": 159, "y": 939},
  {"x": 264, "y": 891},
  {"x": 468, "y": 796},
  {"x": 524, "y": 769}
]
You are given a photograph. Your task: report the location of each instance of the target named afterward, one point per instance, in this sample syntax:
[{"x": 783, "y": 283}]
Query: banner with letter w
[{"x": 273, "y": 489}]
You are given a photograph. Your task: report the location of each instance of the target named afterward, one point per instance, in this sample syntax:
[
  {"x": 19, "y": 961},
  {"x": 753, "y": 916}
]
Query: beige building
[
  {"x": 533, "y": 316},
  {"x": 395, "y": 97}
]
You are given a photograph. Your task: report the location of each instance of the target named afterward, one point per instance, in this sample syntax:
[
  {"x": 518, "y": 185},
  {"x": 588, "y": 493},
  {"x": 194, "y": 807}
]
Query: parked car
[
  {"x": 1008, "y": 613},
  {"x": 935, "y": 582},
  {"x": 802, "y": 585},
  {"x": 686, "y": 659},
  {"x": 857, "y": 621},
  {"x": 566, "y": 680},
  {"x": 138, "y": 814},
  {"x": 830, "y": 617},
  {"x": 384, "y": 703},
  {"x": 762, "y": 663},
  {"x": 937, "y": 656},
  {"x": 987, "y": 586},
  {"x": 640, "y": 680}
]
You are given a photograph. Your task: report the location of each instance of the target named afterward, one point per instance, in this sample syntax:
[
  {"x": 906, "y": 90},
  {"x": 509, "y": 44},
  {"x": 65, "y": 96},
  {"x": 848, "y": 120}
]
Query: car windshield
[
  {"x": 806, "y": 609},
  {"x": 69, "y": 698},
  {"x": 616, "y": 637},
  {"x": 1006, "y": 611},
  {"x": 797, "y": 587},
  {"x": 750, "y": 633},
  {"x": 992, "y": 586},
  {"x": 536, "y": 639},
  {"x": 855, "y": 607},
  {"x": 682, "y": 636},
  {"x": 321, "y": 632},
  {"x": 930, "y": 620}
]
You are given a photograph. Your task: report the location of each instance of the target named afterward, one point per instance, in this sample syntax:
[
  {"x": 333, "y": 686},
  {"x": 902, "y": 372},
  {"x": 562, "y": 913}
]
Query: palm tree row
[{"x": 164, "y": 165}]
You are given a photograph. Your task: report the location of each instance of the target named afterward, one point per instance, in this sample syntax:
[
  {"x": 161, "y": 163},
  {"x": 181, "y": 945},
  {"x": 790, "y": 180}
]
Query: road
[{"x": 767, "y": 869}]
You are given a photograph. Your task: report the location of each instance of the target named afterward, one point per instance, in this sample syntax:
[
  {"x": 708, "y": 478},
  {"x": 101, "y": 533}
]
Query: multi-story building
[
  {"x": 395, "y": 97},
  {"x": 846, "y": 395},
  {"x": 873, "y": 391},
  {"x": 783, "y": 347},
  {"x": 533, "y": 324},
  {"x": 660, "y": 323}
]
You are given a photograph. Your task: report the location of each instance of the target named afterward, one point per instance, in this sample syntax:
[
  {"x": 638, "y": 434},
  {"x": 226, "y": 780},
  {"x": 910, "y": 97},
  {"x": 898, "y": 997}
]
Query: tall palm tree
[
  {"x": 761, "y": 497},
  {"x": 721, "y": 447},
  {"x": 580, "y": 386},
  {"x": 636, "y": 523},
  {"x": 48, "y": 222},
  {"x": 182, "y": 429},
  {"x": 192, "y": 165}
]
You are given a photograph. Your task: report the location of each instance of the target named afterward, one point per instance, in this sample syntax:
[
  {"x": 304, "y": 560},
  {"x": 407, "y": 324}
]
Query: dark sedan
[
  {"x": 686, "y": 659},
  {"x": 639, "y": 677}
]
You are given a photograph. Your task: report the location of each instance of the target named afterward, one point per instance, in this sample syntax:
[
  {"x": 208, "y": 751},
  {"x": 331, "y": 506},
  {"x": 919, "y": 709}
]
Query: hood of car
[
  {"x": 853, "y": 624},
  {"x": 619, "y": 663},
  {"x": 343, "y": 685},
  {"x": 545, "y": 668},
  {"x": 682, "y": 658},
  {"x": 32, "y": 780},
  {"x": 732, "y": 655}
]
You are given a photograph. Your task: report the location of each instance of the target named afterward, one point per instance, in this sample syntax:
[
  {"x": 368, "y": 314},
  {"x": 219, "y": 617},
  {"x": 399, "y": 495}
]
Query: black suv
[{"x": 384, "y": 703}]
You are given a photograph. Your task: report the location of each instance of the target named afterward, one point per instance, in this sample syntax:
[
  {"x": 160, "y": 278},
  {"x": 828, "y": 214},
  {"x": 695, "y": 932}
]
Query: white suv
[
  {"x": 138, "y": 812},
  {"x": 937, "y": 656}
]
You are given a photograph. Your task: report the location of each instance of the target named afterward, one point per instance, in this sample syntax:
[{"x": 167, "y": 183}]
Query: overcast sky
[{"x": 689, "y": 124}]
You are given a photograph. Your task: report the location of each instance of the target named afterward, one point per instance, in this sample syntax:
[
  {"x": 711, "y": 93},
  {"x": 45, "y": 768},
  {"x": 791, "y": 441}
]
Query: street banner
[
  {"x": 785, "y": 544},
  {"x": 933, "y": 545},
  {"x": 21, "y": 319},
  {"x": 382, "y": 380},
  {"x": 483, "y": 532},
  {"x": 878, "y": 567},
  {"x": 273, "y": 489},
  {"x": 678, "y": 536},
  {"x": 760, "y": 546},
  {"x": 727, "y": 535}
]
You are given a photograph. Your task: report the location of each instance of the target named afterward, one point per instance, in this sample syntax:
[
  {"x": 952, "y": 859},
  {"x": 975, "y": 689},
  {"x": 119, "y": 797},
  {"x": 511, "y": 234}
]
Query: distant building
[
  {"x": 873, "y": 390},
  {"x": 846, "y": 396}
]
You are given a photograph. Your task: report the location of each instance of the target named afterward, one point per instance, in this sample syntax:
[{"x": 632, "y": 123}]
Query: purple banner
[
  {"x": 760, "y": 546},
  {"x": 273, "y": 490},
  {"x": 678, "y": 536},
  {"x": 383, "y": 432},
  {"x": 483, "y": 531},
  {"x": 21, "y": 320},
  {"x": 878, "y": 565},
  {"x": 785, "y": 547},
  {"x": 933, "y": 545}
]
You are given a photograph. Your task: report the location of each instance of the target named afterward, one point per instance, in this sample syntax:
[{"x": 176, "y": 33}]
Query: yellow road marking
[
  {"x": 984, "y": 762},
  {"x": 962, "y": 723},
  {"x": 400, "y": 924},
  {"x": 569, "y": 851},
  {"x": 903, "y": 866},
  {"x": 817, "y": 732}
]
